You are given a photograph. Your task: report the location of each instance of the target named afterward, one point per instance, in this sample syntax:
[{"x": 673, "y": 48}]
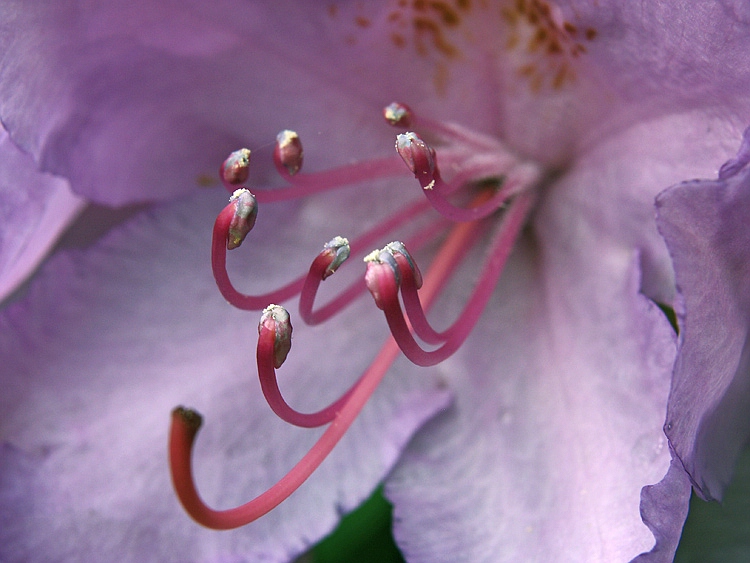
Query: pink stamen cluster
[{"x": 391, "y": 276}]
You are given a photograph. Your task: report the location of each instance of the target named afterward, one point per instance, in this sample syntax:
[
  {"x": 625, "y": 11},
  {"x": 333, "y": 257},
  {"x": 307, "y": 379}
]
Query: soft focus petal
[
  {"x": 137, "y": 101},
  {"x": 34, "y": 210},
  {"x": 557, "y": 426},
  {"x": 705, "y": 225},
  {"x": 109, "y": 340},
  {"x": 670, "y": 55}
]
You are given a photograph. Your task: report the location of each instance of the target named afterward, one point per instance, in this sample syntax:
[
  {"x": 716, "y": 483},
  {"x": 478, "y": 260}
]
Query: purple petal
[
  {"x": 35, "y": 209},
  {"x": 705, "y": 225},
  {"x": 107, "y": 341},
  {"x": 139, "y": 101},
  {"x": 556, "y": 429},
  {"x": 662, "y": 56},
  {"x": 557, "y": 425},
  {"x": 562, "y": 391}
]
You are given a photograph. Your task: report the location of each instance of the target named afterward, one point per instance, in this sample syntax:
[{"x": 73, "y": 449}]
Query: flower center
[{"x": 475, "y": 185}]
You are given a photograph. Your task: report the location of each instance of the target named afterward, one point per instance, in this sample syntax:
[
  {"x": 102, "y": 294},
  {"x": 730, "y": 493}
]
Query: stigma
[{"x": 472, "y": 185}]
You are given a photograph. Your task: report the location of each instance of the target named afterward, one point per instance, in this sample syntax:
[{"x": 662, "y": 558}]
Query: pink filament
[
  {"x": 464, "y": 215},
  {"x": 302, "y": 185}
]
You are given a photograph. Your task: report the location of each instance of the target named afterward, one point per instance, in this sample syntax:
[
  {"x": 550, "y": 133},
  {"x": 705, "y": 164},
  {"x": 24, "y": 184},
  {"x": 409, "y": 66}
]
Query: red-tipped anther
[
  {"x": 245, "y": 213},
  {"x": 236, "y": 168},
  {"x": 382, "y": 277},
  {"x": 288, "y": 152},
  {"x": 419, "y": 157},
  {"x": 276, "y": 320},
  {"x": 398, "y": 115}
]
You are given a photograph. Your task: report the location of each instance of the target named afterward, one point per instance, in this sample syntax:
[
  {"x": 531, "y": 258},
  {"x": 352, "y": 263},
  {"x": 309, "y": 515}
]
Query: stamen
[
  {"x": 275, "y": 321},
  {"x": 382, "y": 277},
  {"x": 411, "y": 281},
  {"x": 422, "y": 161},
  {"x": 243, "y": 220},
  {"x": 236, "y": 168},
  {"x": 502, "y": 245},
  {"x": 337, "y": 252},
  {"x": 186, "y": 422},
  {"x": 288, "y": 154},
  {"x": 274, "y": 341},
  {"x": 469, "y": 158},
  {"x": 406, "y": 265},
  {"x": 185, "y": 425},
  {"x": 334, "y": 253},
  {"x": 419, "y": 157},
  {"x": 230, "y": 229}
]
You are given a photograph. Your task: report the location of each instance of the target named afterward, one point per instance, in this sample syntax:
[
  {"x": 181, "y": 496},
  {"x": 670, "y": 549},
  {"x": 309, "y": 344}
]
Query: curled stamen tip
[
  {"x": 189, "y": 417},
  {"x": 236, "y": 168},
  {"x": 381, "y": 265},
  {"x": 338, "y": 250},
  {"x": 243, "y": 220},
  {"x": 398, "y": 115},
  {"x": 276, "y": 319},
  {"x": 288, "y": 152},
  {"x": 419, "y": 157},
  {"x": 398, "y": 248}
]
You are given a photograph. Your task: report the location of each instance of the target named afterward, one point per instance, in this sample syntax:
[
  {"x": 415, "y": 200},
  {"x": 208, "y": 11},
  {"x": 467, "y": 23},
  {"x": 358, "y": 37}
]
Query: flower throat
[{"x": 488, "y": 189}]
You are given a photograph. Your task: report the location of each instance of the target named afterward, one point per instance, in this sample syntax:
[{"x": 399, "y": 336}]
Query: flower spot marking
[{"x": 547, "y": 43}]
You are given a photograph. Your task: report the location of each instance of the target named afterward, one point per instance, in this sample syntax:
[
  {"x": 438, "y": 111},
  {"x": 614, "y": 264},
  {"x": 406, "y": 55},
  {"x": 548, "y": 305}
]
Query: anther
[
  {"x": 382, "y": 276},
  {"x": 236, "y": 168},
  {"x": 276, "y": 319},
  {"x": 337, "y": 251},
  {"x": 243, "y": 220},
  {"x": 398, "y": 115},
  {"x": 419, "y": 157},
  {"x": 288, "y": 152}
]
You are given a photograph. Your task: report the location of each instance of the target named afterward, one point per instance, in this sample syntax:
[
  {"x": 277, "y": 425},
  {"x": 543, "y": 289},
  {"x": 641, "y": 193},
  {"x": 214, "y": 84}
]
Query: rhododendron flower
[{"x": 556, "y": 415}]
